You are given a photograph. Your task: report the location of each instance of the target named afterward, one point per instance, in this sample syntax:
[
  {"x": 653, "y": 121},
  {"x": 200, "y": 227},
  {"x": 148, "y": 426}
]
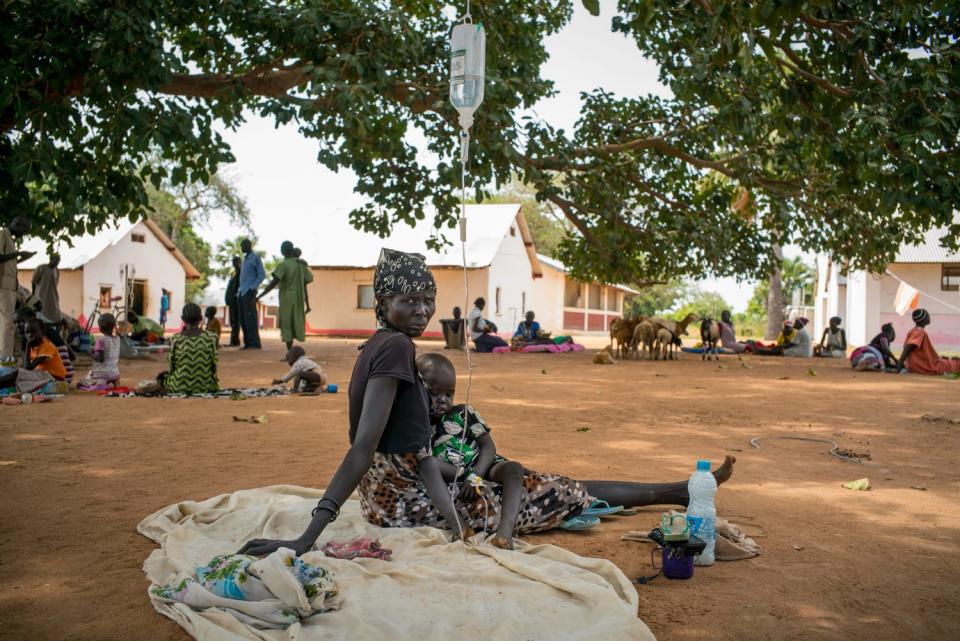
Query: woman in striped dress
[{"x": 193, "y": 357}]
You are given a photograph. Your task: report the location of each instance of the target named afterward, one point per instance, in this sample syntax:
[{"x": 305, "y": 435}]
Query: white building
[
  {"x": 575, "y": 307},
  {"x": 866, "y": 301},
  {"x": 92, "y": 270},
  {"x": 502, "y": 267}
]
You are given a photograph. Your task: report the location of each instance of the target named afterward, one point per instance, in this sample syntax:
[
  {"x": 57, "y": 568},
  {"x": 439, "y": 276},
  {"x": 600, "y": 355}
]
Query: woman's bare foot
[
  {"x": 725, "y": 471},
  {"x": 502, "y": 542}
]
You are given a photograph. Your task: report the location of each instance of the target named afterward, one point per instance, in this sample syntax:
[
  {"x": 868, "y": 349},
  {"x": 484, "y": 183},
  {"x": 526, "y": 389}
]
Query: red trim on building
[
  {"x": 573, "y": 320},
  {"x": 596, "y": 323}
]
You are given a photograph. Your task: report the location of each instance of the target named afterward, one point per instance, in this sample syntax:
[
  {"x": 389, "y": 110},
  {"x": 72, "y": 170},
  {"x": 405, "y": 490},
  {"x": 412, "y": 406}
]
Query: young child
[
  {"x": 213, "y": 323},
  {"x": 42, "y": 355},
  {"x": 106, "y": 355},
  {"x": 470, "y": 451},
  {"x": 306, "y": 374}
]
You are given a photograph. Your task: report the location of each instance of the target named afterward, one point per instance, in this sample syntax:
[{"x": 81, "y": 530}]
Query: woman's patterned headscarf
[
  {"x": 920, "y": 316},
  {"x": 398, "y": 272}
]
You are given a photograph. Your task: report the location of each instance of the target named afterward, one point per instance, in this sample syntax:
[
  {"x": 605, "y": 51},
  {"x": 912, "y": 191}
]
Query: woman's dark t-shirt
[{"x": 408, "y": 426}]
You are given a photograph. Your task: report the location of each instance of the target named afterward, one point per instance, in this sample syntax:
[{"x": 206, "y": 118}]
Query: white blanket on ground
[{"x": 433, "y": 590}]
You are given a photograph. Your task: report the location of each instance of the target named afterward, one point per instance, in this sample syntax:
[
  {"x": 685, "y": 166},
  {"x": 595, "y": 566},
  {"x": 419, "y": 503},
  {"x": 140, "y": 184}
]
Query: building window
[
  {"x": 612, "y": 300},
  {"x": 595, "y": 293},
  {"x": 138, "y": 238},
  {"x": 496, "y": 300},
  {"x": 950, "y": 277},
  {"x": 106, "y": 293},
  {"x": 571, "y": 293},
  {"x": 513, "y": 231},
  {"x": 365, "y": 298}
]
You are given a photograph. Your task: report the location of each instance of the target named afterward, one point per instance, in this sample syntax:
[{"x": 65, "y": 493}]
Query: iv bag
[{"x": 467, "y": 60}]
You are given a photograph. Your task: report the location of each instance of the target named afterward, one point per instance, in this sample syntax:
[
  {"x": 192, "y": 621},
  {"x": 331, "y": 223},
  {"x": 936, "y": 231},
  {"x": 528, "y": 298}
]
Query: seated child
[
  {"x": 106, "y": 355},
  {"x": 213, "y": 323},
  {"x": 470, "y": 452},
  {"x": 307, "y": 375},
  {"x": 42, "y": 354},
  {"x": 41, "y": 362},
  {"x": 193, "y": 357}
]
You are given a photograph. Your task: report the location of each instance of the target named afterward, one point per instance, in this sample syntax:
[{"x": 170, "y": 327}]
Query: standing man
[
  {"x": 232, "y": 300},
  {"x": 46, "y": 278},
  {"x": 9, "y": 257},
  {"x": 164, "y": 306},
  {"x": 251, "y": 275},
  {"x": 292, "y": 278}
]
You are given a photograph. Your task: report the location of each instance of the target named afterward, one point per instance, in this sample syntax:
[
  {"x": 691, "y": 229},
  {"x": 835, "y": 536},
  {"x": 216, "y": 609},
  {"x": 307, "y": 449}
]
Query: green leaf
[{"x": 593, "y": 6}]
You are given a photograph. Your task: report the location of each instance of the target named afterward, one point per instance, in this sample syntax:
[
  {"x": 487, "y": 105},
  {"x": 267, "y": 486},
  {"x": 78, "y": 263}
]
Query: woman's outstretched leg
[{"x": 631, "y": 494}]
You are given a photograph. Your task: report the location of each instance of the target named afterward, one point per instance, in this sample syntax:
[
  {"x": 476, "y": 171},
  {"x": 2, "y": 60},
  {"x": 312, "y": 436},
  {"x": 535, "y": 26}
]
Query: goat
[
  {"x": 604, "y": 356},
  {"x": 621, "y": 333},
  {"x": 666, "y": 342},
  {"x": 677, "y": 328},
  {"x": 710, "y": 336},
  {"x": 644, "y": 339}
]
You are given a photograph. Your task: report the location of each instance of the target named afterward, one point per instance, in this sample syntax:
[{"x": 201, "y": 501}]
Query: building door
[{"x": 138, "y": 297}]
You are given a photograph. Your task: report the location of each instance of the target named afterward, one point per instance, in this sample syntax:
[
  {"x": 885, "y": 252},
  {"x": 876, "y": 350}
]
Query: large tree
[{"x": 843, "y": 114}]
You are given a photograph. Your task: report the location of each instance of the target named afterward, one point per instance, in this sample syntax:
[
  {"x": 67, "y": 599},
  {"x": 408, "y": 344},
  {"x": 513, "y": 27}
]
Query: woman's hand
[{"x": 263, "y": 547}]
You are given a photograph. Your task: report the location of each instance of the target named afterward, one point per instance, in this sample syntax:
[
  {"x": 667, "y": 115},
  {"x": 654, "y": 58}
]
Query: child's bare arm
[
  {"x": 430, "y": 474},
  {"x": 488, "y": 453}
]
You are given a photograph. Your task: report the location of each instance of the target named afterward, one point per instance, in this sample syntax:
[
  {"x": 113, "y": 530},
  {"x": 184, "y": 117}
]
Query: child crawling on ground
[
  {"x": 306, "y": 374},
  {"x": 464, "y": 455}
]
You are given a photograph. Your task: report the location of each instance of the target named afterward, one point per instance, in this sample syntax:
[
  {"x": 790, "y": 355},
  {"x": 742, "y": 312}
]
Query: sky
[{"x": 289, "y": 192}]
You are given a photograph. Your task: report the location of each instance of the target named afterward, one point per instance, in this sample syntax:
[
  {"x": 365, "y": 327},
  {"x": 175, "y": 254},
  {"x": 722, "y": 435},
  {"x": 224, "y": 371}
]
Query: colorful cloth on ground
[
  {"x": 193, "y": 364},
  {"x": 269, "y": 593},
  {"x": 433, "y": 590},
  {"x": 392, "y": 495},
  {"x": 31, "y": 380},
  {"x": 551, "y": 348},
  {"x": 924, "y": 359},
  {"x": 454, "y": 445},
  {"x": 233, "y": 393},
  {"x": 486, "y": 343},
  {"x": 301, "y": 365},
  {"x": 292, "y": 277},
  {"x": 362, "y": 548},
  {"x": 53, "y": 364},
  {"x": 45, "y": 279}
]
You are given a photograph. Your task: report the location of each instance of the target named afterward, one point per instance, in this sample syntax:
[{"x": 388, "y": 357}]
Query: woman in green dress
[
  {"x": 292, "y": 277},
  {"x": 193, "y": 357}
]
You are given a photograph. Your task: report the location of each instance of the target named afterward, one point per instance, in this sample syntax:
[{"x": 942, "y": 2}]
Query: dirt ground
[{"x": 78, "y": 475}]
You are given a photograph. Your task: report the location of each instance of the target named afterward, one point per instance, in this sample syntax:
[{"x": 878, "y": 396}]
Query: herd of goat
[{"x": 659, "y": 338}]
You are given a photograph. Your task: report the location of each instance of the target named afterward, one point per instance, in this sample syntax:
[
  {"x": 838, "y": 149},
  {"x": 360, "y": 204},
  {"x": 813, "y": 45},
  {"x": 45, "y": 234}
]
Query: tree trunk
[{"x": 775, "y": 296}]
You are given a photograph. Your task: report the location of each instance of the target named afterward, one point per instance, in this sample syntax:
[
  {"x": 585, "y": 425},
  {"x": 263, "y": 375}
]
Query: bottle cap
[{"x": 703, "y": 466}]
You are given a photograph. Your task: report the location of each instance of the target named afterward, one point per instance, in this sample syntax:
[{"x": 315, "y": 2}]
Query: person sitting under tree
[
  {"x": 919, "y": 356},
  {"x": 833, "y": 343},
  {"x": 143, "y": 329}
]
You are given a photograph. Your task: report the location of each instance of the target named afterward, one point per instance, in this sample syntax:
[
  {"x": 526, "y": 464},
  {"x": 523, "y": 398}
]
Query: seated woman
[
  {"x": 785, "y": 340},
  {"x": 728, "y": 335},
  {"x": 833, "y": 343},
  {"x": 529, "y": 333},
  {"x": 143, "y": 329},
  {"x": 918, "y": 355},
  {"x": 390, "y": 434},
  {"x": 41, "y": 361},
  {"x": 877, "y": 355},
  {"x": 193, "y": 357}
]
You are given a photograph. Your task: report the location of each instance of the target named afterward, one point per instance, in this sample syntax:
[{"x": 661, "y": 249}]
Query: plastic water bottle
[{"x": 701, "y": 512}]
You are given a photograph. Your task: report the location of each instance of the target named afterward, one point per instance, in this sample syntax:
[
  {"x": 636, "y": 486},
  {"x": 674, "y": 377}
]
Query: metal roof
[{"x": 930, "y": 250}]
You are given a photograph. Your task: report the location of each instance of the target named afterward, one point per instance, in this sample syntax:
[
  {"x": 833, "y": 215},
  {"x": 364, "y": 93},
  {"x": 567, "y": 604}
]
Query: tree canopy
[{"x": 829, "y": 124}]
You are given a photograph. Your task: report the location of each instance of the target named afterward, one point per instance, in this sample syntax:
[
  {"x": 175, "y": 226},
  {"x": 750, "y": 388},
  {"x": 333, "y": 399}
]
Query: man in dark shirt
[{"x": 233, "y": 302}]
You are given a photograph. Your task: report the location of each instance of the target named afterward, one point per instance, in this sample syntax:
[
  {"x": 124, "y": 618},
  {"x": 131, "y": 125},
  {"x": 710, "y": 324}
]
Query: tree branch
[{"x": 794, "y": 64}]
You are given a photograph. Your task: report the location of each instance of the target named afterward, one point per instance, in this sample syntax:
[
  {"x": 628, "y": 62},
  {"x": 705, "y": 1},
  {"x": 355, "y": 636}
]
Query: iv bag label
[{"x": 458, "y": 63}]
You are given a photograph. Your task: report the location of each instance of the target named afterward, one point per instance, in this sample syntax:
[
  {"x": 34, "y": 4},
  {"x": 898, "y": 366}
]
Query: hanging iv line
[{"x": 467, "y": 62}]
